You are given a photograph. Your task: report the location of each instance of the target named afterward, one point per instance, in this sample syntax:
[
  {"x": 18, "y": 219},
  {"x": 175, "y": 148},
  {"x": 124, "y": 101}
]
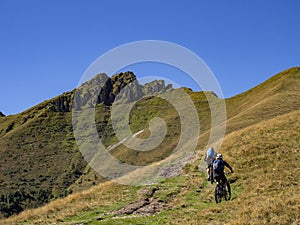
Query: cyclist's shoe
[{"x": 208, "y": 178}]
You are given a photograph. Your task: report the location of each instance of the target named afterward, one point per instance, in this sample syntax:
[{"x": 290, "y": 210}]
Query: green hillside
[
  {"x": 39, "y": 157},
  {"x": 262, "y": 144},
  {"x": 265, "y": 188},
  {"x": 40, "y": 160}
]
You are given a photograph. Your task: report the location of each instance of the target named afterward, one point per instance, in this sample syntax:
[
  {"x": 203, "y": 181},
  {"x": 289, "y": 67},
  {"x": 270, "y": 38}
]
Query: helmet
[{"x": 219, "y": 156}]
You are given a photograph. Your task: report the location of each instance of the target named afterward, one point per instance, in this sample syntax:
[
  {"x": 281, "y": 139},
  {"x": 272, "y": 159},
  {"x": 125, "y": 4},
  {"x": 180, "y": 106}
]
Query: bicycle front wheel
[{"x": 228, "y": 192}]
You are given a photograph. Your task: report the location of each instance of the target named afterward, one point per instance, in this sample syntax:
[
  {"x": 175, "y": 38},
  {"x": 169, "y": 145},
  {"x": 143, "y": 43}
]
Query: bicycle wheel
[
  {"x": 228, "y": 192},
  {"x": 218, "y": 194}
]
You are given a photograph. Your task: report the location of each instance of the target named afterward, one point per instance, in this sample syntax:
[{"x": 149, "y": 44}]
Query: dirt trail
[{"x": 145, "y": 205}]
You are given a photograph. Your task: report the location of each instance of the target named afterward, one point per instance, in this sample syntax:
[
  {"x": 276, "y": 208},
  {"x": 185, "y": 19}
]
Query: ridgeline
[{"x": 40, "y": 160}]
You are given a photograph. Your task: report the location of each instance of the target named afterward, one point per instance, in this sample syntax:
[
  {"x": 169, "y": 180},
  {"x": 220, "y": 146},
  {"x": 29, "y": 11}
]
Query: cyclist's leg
[
  {"x": 224, "y": 180},
  {"x": 208, "y": 169},
  {"x": 211, "y": 173},
  {"x": 207, "y": 172},
  {"x": 226, "y": 187},
  {"x": 217, "y": 178}
]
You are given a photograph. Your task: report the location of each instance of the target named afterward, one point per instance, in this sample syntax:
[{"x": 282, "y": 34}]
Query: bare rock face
[
  {"x": 154, "y": 87},
  {"x": 169, "y": 87},
  {"x": 126, "y": 87},
  {"x": 106, "y": 96},
  {"x": 62, "y": 103},
  {"x": 122, "y": 87},
  {"x": 130, "y": 93},
  {"x": 120, "y": 80}
]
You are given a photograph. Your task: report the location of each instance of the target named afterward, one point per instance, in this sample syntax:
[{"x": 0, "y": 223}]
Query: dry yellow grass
[
  {"x": 265, "y": 157},
  {"x": 276, "y": 96},
  {"x": 262, "y": 145},
  {"x": 105, "y": 194}
]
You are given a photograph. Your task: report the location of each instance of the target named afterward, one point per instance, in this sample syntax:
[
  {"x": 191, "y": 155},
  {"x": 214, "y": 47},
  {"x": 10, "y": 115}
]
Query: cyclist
[
  {"x": 218, "y": 168},
  {"x": 209, "y": 158}
]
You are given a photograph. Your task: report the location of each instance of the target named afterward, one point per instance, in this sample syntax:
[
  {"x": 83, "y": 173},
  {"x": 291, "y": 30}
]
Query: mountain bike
[{"x": 222, "y": 191}]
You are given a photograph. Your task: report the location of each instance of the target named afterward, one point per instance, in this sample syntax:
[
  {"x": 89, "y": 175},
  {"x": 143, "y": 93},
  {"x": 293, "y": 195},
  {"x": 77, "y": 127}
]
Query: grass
[
  {"x": 276, "y": 96},
  {"x": 261, "y": 143},
  {"x": 141, "y": 114},
  {"x": 80, "y": 205},
  {"x": 268, "y": 170}
]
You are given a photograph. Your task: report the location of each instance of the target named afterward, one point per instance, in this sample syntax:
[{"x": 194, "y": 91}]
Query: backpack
[
  {"x": 210, "y": 154},
  {"x": 218, "y": 166}
]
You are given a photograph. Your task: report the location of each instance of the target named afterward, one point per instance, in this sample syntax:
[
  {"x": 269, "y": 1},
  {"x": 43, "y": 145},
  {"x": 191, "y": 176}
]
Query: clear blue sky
[{"x": 45, "y": 46}]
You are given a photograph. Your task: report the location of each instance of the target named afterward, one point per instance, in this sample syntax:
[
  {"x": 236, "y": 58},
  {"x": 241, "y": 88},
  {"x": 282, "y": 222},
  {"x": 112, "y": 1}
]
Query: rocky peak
[
  {"x": 153, "y": 87},
  {"x": 120, "y": 80},
  {"x": 122, "y": 87}
]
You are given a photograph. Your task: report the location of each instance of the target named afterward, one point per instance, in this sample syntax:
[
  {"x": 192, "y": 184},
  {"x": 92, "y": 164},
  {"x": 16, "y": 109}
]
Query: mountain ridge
[
  {"x": 45, "y": 131},
  {"x": 19, "y": 134}
]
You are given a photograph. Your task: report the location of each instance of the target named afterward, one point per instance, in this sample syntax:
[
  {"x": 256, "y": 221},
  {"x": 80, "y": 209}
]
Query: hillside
[
  {"x": 255, "y": 135},
  {"x": 265, "y": 187},
  {"x": 276, "y": 96},
  {"x": 39, "y": 158}
]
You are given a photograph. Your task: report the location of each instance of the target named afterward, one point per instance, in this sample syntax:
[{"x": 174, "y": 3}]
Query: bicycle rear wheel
[{"x": 218, "y": 194}]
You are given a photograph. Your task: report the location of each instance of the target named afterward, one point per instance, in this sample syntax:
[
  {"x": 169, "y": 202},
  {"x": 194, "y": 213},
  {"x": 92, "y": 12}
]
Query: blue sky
[{"x": 45, "y": 46}]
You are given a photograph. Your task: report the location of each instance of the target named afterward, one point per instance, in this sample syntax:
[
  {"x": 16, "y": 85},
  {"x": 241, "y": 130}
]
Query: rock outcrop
[
  {"x": 122, "y": 87},
  {"x": 153, "y": 87},
  {"x": 1, "y": 114},
  {"x": 62, "y": 103}
]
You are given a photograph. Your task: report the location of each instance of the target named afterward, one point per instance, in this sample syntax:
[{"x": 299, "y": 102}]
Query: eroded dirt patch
[{"x": 145, "y": 205}]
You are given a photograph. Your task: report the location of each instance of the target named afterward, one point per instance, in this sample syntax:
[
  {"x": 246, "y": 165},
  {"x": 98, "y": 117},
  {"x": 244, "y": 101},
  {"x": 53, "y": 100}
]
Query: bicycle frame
[{"x": 222, "y": 190}]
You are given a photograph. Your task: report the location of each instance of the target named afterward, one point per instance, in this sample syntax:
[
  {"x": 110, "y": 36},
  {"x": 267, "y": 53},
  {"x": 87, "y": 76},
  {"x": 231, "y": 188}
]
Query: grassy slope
[
  {"x": 265, "y": 191},
  {"x": 38, "y": 156},
  {"x": 256, "y": 142},
  {"x": 39, "y": 166},
  {"x": 276, "y": 96}
]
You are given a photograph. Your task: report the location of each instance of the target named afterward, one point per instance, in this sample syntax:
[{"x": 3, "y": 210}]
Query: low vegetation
[{"x": 261, "y": 144}]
